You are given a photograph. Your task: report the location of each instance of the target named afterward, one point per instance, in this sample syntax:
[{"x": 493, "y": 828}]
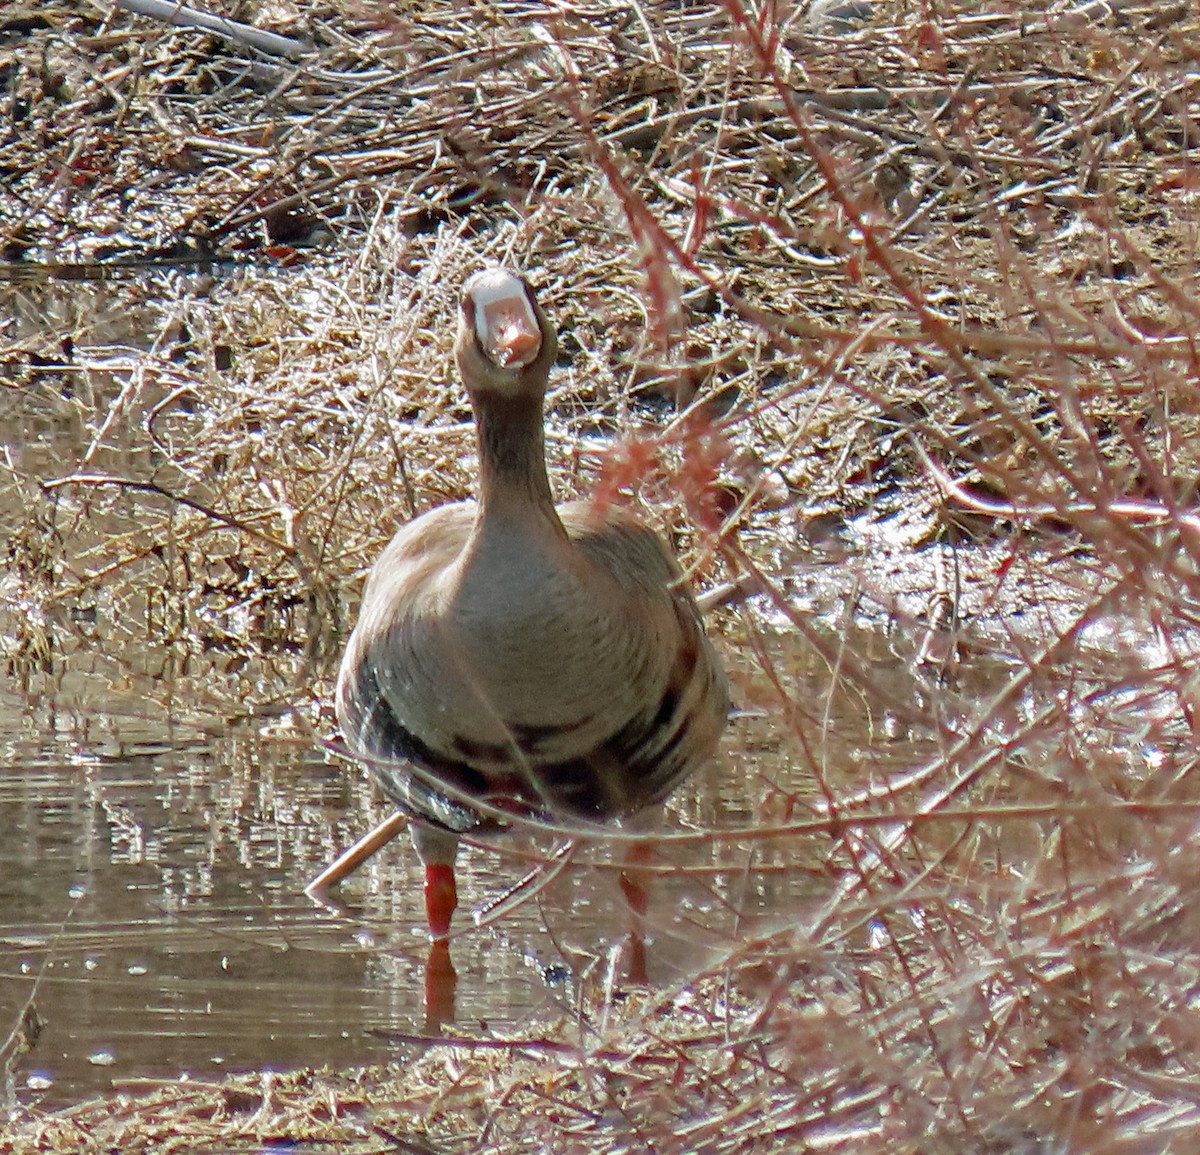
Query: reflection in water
[
  {"x": 151, "y": 901},
  {"x": 153, "y": 910},
  {"x": 155, "y": 901}
]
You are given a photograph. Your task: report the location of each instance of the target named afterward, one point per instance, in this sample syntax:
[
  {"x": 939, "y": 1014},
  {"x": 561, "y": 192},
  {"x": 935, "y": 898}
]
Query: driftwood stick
[
  {"x": 350, "y": 860},
  {"x": 246, "y": 34}
]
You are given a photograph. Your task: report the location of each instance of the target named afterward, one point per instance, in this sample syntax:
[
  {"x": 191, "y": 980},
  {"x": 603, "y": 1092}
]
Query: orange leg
[
  {"x": 635, "y": 877},
  {"x": 440, "y": 985},
  {"x": 441, "y": 898},
  {"x": 437, "y": 848},
  {"x": 635, "y": 887}
]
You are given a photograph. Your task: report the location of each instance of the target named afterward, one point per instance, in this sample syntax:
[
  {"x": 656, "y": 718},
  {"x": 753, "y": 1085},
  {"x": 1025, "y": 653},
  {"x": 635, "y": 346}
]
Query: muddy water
[{"x": 155, "y": 841}]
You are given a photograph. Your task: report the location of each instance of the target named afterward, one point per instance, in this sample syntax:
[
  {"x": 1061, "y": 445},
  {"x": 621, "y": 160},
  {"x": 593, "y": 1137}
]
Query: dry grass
[{"x": 926, "y": 299}]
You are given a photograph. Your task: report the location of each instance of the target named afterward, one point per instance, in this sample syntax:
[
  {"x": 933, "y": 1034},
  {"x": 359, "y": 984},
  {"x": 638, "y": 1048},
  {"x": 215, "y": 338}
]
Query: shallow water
[{"x": 152, "y": 906}]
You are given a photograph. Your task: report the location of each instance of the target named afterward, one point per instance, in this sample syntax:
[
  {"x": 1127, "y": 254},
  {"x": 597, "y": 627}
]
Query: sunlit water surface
[{"x": 152, "y": 906}]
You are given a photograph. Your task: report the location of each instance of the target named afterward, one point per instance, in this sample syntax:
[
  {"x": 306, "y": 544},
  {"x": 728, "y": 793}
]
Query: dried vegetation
[{"x": 894, "y": 324}]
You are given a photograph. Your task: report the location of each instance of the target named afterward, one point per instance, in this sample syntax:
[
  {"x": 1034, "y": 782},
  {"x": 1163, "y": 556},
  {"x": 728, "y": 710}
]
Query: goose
[{"x": 533, "y": 659}]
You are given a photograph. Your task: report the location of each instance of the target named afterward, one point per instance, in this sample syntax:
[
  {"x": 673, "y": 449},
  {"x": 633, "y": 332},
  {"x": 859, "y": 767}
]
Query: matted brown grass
[{"x": 895, "y": 327}]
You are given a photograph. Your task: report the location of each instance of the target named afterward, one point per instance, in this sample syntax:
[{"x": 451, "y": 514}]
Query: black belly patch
[{"x": 621, "y": 775}]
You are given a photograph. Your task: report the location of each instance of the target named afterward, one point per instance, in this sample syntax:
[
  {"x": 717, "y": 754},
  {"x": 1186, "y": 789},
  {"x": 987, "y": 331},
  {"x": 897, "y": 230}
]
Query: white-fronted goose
[{"x": 538, "y": 659}]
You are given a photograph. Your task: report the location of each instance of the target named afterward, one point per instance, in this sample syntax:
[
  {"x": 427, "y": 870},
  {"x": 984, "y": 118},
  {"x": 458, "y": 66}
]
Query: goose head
[{"x": 505, "y": 344}]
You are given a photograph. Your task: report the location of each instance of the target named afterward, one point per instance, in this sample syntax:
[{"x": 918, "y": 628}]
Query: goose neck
[{"x": 512, "y": 460}]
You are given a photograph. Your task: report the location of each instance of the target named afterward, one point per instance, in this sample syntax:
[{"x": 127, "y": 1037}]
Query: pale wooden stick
[
  {"x": 172, "y": 12},
  {"x": 350, "y": 860}
]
